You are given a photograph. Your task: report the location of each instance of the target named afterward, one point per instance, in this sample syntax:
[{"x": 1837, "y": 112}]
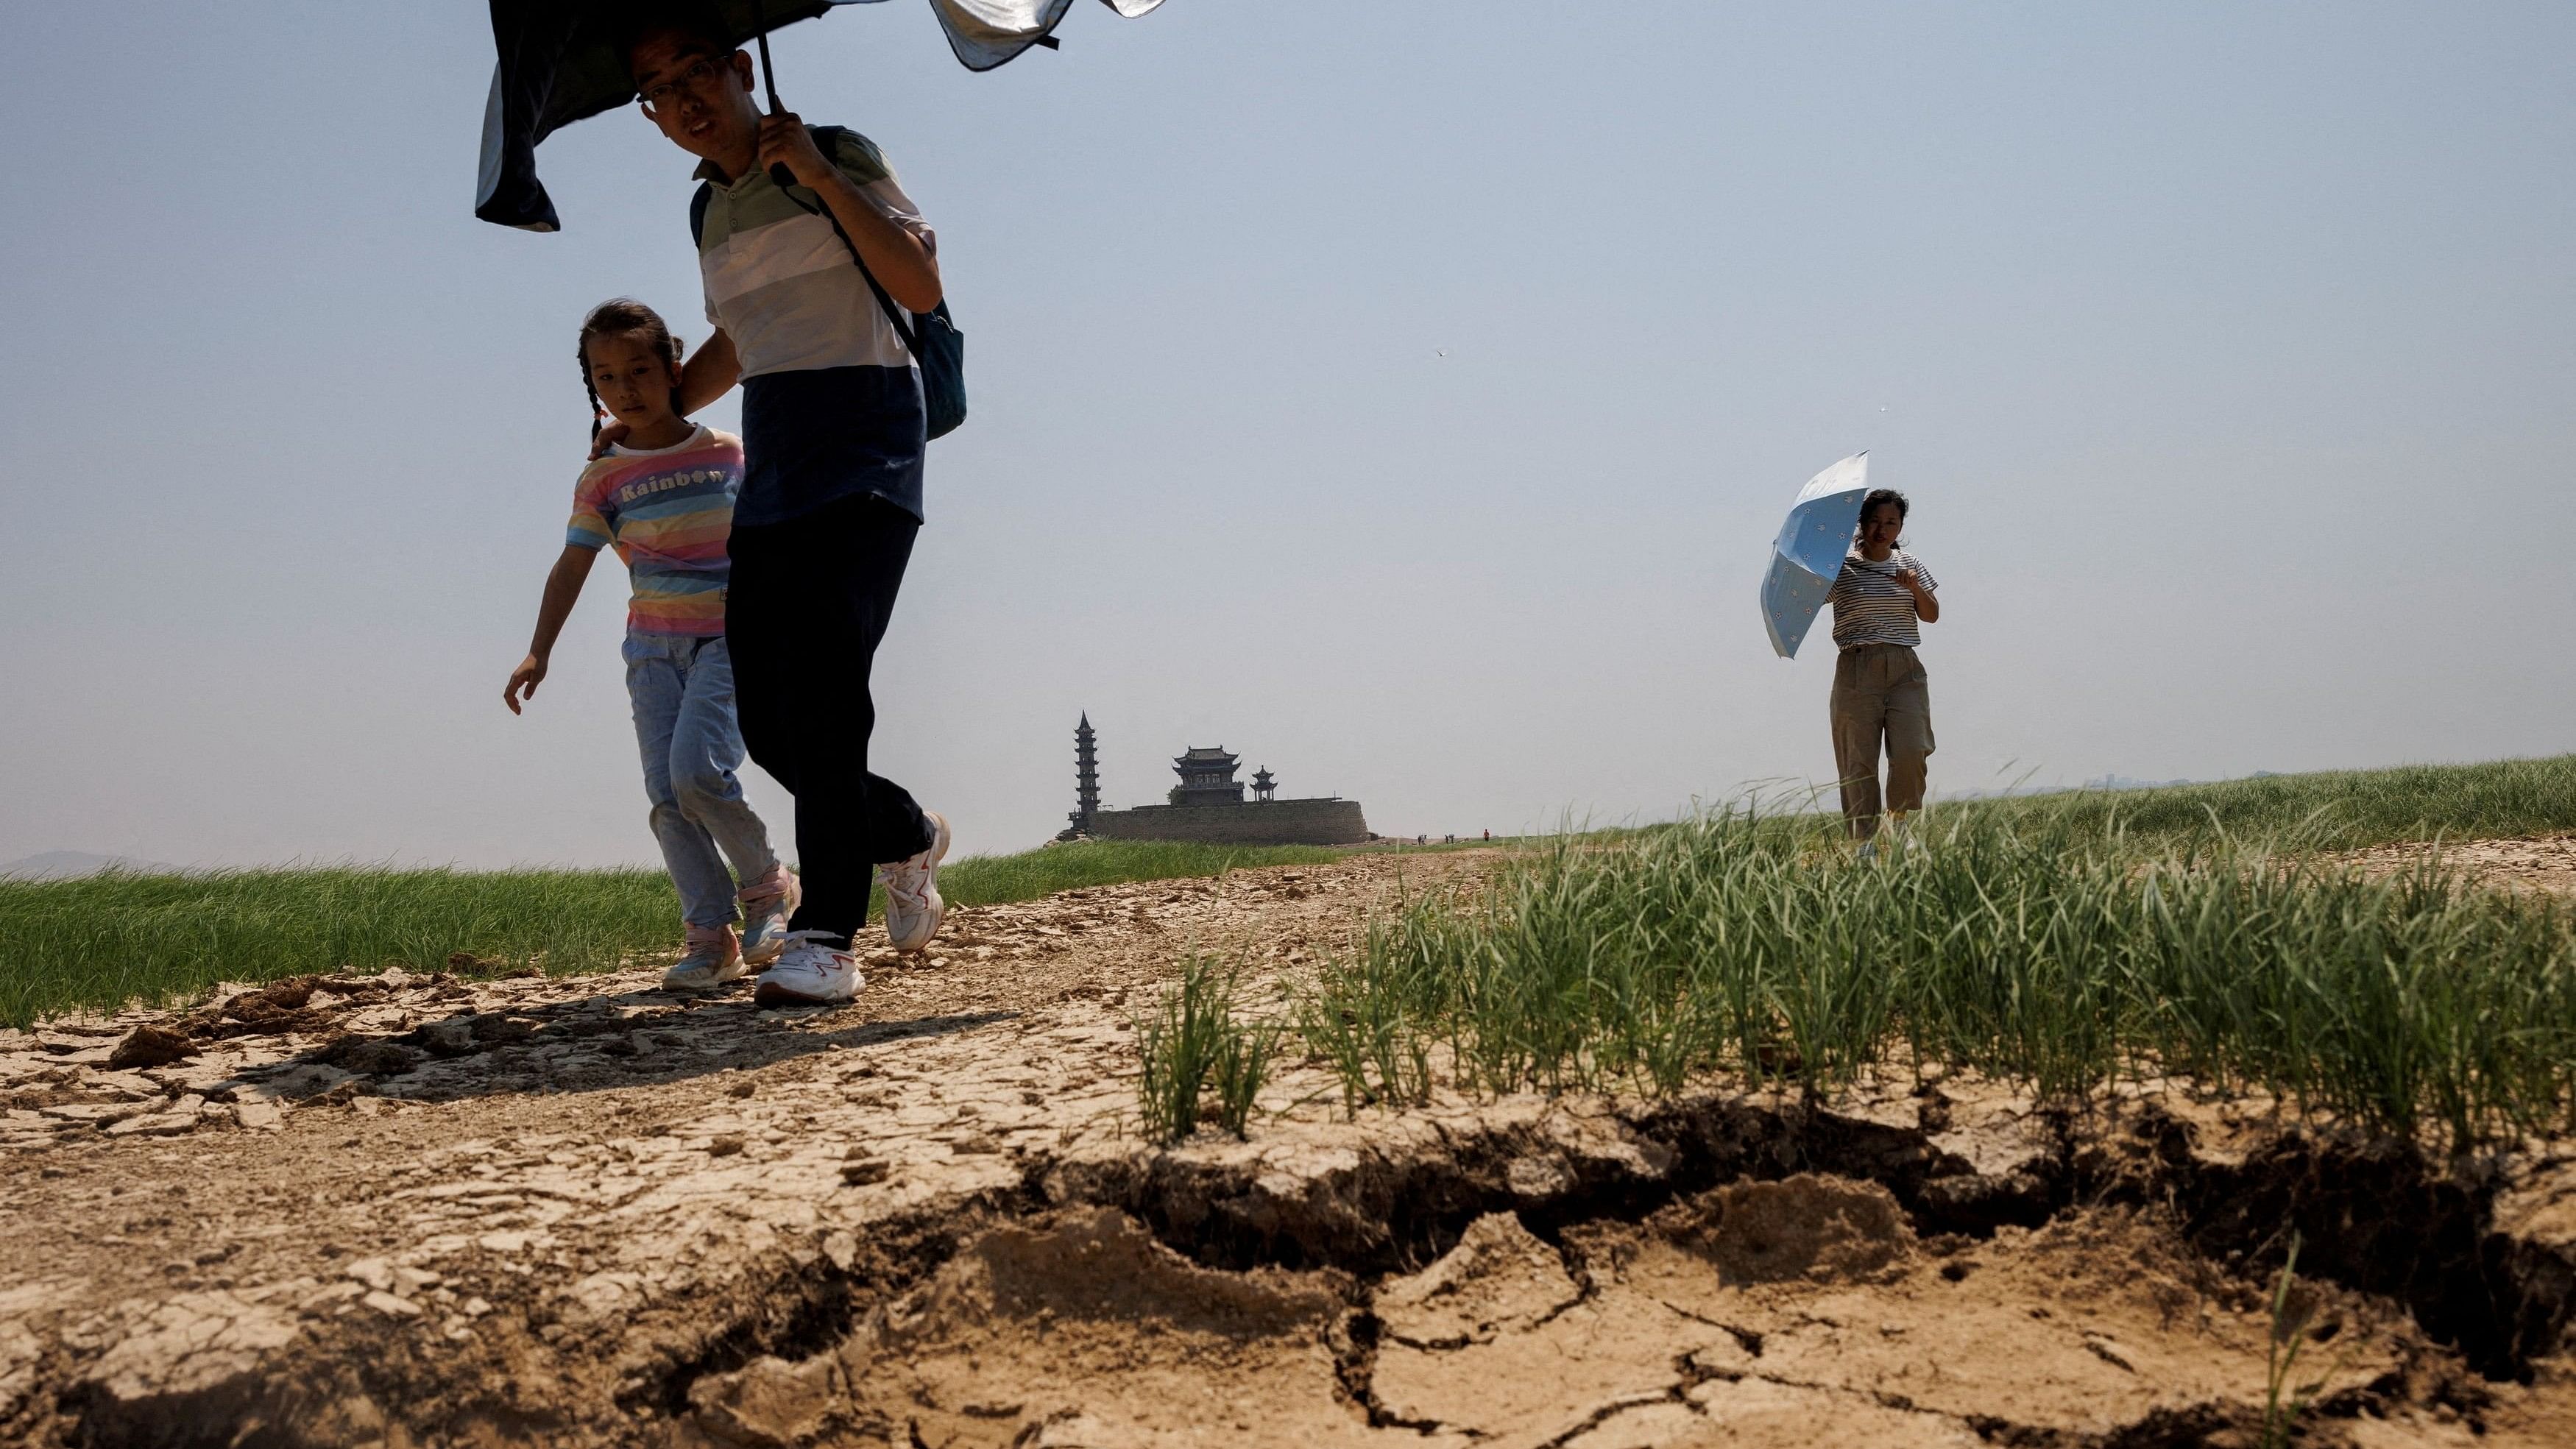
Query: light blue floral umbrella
[{"x": 1809, "y": 552}]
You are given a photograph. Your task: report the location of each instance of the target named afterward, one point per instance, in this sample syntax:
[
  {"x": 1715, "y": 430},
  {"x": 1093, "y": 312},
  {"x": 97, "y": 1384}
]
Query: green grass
[
  {"x": 2049, "y": 946},
  {"x": 110, "y": 939},
  {"x": 2330, "y": 808},
  {"x": 100, "y": 942},
  {"x": 1194, "y": 1045}
]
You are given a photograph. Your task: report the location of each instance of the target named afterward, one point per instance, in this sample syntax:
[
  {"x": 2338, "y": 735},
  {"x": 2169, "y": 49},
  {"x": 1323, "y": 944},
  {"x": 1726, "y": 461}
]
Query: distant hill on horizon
[{"x": 73, "y": 864}]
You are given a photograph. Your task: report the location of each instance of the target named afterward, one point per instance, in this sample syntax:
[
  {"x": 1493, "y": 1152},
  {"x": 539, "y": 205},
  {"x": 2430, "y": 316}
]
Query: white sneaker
[
  {"x": 811, "y": 972},
  {"x": 913, "y": 906},
  {"x": 1868, "y": 851}
]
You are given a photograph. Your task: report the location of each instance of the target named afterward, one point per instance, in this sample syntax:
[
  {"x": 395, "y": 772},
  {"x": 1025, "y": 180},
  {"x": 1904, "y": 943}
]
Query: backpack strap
[
  {"x": 698, "y": 213},
  {"x": 893, "y": 313},
  {"x": 829, "y": 136}
]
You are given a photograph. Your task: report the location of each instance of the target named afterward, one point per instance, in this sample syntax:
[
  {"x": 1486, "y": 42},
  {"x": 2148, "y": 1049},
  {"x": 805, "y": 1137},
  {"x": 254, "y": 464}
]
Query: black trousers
[{"x": 805, "y": 608}]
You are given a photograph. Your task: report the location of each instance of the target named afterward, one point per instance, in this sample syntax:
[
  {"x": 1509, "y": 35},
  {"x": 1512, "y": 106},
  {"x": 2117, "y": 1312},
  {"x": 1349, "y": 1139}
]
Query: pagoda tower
[
  {"x": 1086, "y": 774},
  {"x": 1207, "y": 778},
  {"x": 1209, "y": 805}
]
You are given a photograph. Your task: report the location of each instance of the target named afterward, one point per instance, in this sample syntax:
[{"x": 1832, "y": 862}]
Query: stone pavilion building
[{"x": 1208, "y": 805}]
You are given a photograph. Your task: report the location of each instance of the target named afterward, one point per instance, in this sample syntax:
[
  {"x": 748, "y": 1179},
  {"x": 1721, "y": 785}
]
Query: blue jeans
[{"x": 682, "y": 688}]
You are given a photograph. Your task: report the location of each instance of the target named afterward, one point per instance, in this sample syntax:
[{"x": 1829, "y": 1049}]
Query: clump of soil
[
  {"x": 1500, "y": 1278},
  {"x": 150, "y": 1046},
  {"x": 1822, "y": 1229},
  {"x": 1057, "y": 1331},
  {"x": 271, "y": 1004}
]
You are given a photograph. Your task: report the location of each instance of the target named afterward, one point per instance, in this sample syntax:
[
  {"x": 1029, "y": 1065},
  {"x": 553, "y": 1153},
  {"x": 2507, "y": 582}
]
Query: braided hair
[{"x": 625, "y": 317}]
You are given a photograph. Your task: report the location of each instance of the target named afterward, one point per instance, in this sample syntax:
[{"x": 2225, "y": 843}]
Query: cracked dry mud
[{"x": 411, "y": 1210}]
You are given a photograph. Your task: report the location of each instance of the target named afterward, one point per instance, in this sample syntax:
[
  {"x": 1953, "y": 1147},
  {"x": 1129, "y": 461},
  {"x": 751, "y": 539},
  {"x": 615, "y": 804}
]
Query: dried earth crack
[{"x": 454, "y": 1210}]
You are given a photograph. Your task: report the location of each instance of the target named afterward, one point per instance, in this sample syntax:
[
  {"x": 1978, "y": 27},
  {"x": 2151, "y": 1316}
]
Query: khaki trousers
[{"x": 1880, "y": 695}]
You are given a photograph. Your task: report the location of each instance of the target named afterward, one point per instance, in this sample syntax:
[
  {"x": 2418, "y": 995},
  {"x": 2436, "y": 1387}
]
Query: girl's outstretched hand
[{"x": 523, "y": 682}]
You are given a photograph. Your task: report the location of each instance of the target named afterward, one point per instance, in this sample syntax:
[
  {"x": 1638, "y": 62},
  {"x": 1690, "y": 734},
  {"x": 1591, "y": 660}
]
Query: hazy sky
[{"x": 2228, "y": 351}]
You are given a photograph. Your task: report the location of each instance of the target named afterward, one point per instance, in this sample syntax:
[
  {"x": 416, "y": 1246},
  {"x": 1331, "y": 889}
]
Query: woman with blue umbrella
[{"x": 1880, "y": 698}]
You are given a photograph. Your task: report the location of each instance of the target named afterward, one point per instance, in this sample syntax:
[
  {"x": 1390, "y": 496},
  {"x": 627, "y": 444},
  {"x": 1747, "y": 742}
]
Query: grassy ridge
[
  {"x": 2328, "y": 808},
  {"x": 102, "y": 941},
  {"x": 109, "y": 939},
  {"x": 2045, "y": 944}
]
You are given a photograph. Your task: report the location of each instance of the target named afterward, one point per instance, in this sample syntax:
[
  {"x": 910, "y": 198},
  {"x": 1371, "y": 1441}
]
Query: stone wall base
[{"x": 1257, "y": 822}]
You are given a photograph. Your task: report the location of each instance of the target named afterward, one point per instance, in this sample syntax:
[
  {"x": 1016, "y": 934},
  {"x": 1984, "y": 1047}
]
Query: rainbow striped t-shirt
[{"x": 668, "y": 510}]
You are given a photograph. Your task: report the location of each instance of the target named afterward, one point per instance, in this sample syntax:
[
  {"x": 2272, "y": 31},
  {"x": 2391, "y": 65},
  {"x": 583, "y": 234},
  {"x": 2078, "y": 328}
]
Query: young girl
[{"x": 664, "y": 496}]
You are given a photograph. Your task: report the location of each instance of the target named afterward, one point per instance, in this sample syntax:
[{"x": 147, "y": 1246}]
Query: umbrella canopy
[
  {"x": 1809, "y": 552},
  {"x": 559, "y": 62}
]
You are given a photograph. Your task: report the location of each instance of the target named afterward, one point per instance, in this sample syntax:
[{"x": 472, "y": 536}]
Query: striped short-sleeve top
[
  {"x": 1871, "y": 607},
  {"x": 669, "y": 511}
]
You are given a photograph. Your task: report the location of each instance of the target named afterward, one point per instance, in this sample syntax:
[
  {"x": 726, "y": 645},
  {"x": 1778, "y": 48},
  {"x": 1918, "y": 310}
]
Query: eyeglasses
[{"x": 697, "y": 77}]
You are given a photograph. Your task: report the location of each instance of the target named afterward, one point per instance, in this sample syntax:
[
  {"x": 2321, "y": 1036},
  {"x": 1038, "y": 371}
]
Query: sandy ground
[
  {"x": 454, "y": 1210},
  {"x": 2545, "y": 864}
]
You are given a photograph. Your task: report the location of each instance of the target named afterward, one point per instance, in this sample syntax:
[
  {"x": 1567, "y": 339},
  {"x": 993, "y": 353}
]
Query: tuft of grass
[
  {"x": 1383, "y": 1009},
  {"x": 1195, "y": 1043},
  {"x": 1244, "y": 1054},
  {"x": 2058, "y": 951},
  {"x": 102, "y": 941},
  {"x": 2293, "y": 1315}
]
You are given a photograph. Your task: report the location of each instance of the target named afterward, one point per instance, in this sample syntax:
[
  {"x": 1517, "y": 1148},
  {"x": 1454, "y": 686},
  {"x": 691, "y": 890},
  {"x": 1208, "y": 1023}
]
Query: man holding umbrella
[{"x": 833, "y": 437}]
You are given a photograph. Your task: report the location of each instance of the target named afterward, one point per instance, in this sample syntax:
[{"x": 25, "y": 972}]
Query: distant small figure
[
  {"x": 1880, "y": 694},
  {"x": 1422, "y": 840},
  {"x": 1449, "y": 840},
  {"x": 1489, "y": 835}
]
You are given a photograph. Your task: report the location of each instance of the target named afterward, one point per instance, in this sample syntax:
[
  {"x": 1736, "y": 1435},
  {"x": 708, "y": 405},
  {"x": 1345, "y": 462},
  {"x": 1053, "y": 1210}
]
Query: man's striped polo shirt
[{"x": 831, "y": 403}]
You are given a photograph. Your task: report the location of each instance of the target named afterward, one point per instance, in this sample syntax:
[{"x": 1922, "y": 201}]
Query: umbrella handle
[{"x": 769, "y": 82}]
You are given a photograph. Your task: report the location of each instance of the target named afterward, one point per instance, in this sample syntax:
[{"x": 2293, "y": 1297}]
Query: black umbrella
[{"x": 559, "y": 62}]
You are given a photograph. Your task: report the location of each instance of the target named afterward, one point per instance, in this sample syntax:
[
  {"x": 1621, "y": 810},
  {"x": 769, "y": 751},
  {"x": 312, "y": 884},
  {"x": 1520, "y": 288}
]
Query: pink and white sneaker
[
  {"x": 766, "y": 908},
  {"x": 712, "y": 958},
  {"x": 813, "y": 970}
]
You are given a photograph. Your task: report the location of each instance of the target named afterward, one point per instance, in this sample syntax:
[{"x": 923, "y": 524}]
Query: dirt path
[
  {"x": 2544, "y": 864},
  {"x": 458, "y": 1211}
]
